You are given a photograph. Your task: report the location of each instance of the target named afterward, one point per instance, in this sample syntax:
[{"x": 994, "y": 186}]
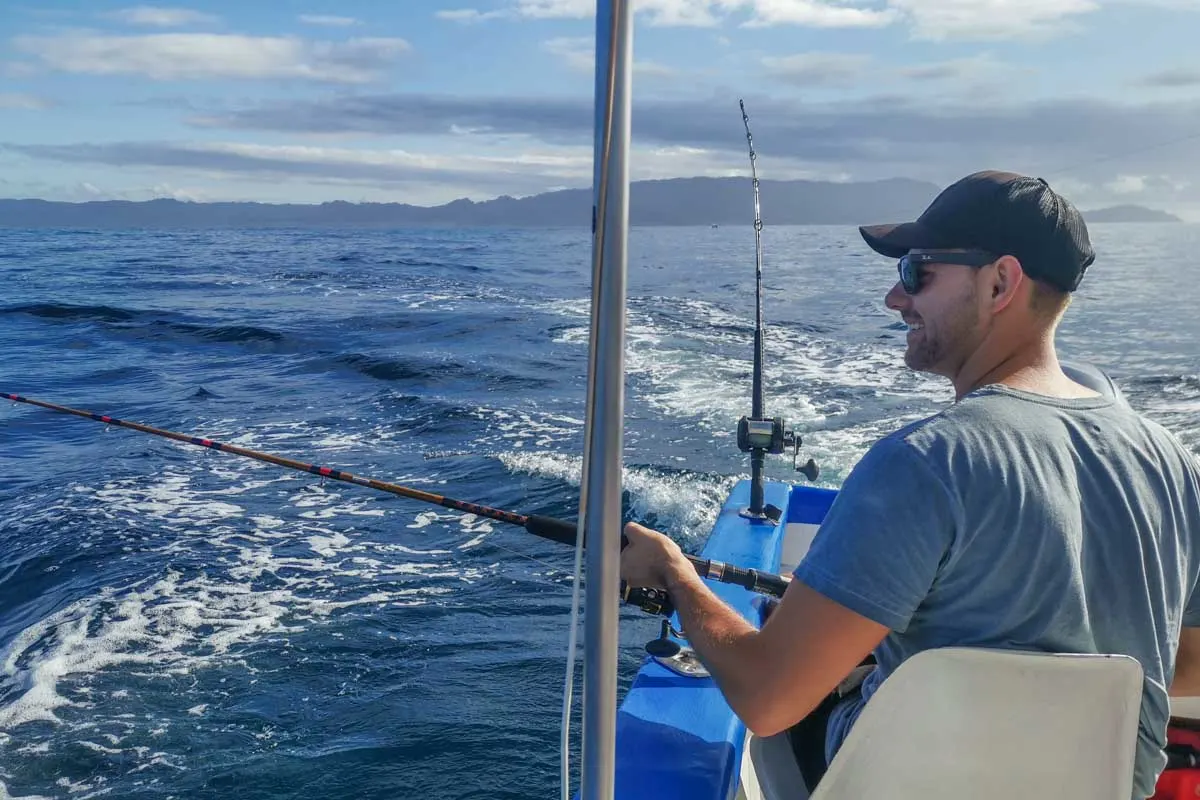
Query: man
[{"x": 1031, "y": 514}]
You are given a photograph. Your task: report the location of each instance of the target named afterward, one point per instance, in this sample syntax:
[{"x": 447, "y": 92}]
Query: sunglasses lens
[{"x": 910, "y": 277}]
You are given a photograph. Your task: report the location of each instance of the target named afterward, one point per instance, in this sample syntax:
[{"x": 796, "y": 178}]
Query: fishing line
[
  {"x": 758, "y": 434},
  {"x": 652, "y": 601}
]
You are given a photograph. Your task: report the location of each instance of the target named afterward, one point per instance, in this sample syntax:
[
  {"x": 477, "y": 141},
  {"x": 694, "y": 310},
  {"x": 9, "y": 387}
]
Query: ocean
[{"x": 181, "y": 623}]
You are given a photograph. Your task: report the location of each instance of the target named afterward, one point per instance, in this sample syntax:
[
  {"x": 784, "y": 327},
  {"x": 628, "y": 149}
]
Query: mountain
[
  {"x": 1128, "y": 213},
  {"x": 677, "y": 201}
]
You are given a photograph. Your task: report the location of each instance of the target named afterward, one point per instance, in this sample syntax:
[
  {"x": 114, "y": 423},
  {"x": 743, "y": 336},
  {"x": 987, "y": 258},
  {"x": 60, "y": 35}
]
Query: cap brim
[{"x": 898, "y": 238}]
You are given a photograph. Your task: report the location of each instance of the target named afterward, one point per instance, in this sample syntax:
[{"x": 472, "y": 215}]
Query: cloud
[
  {"x": 329, "y": 21},
  {"x": 692, "y": 13},
  {"x": 158, "y": 17},
  {"x": 1177, "y": 78},
  {"x": 954, "y": 69},
  {"x": 418, "y": 114},
  {"x": 370, "y": 167},
  {"x": 822, "y": 69},
  {"x": 817, "y": 14},
  {"x": 470, "y": 15},
  {"x": 1127, "y": 184},
  {"x": 434, "y": 177},
  {"x": 818, "y": 69},
  {"x": 988, "y": 19},
  {"x": 560, "y": 9},
  {"x": 1098, "y": 153},
  {"x": 938, "y": 140},
  {"x": 23, "y": 102},
  {"x": 83, "y": 191},
  {"x": 926, "y": 19},
  {"x": 18, "y": 69},
  {"x": 576, "y": 51},
  {"x": 188, "y": 56}
]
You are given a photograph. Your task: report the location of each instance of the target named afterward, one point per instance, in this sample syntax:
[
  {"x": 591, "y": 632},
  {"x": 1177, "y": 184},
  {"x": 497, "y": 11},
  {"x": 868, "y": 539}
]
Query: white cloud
[
  {"x": 525, "y": 166},
  {"x": 159, "y": 17},
  {"x": 1127, "y": 184},
  {"x": 359, "y": 166},
  {"x": 866, "y": 137},
  {"x": 23, "y": 102},
  {"x": 520, "y": 171},
  {"x": 557, "y": 9},
  {"x": 695, "y": 13},
  {"x": 166, "y": 190},
  {"x": 328, "y": 20},
  {"x": 468, "y": 15},
  {"x": 927, "y": 19},
  {"x": 83, "y": 191},
  {"x": 989, "y": 19},
  {"x": 180, "y": 56},
  {"x": 577, "y": 52},
  {"x": 817, "y": 14}
]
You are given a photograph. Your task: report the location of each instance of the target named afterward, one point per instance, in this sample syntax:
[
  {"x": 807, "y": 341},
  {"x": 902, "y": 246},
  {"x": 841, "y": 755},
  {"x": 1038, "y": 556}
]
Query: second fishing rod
[{"x": 653, "y": 601}]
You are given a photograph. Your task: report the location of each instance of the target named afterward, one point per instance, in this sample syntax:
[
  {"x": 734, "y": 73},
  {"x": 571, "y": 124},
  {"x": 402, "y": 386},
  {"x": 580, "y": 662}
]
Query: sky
[{"x": 427, "y": 101}]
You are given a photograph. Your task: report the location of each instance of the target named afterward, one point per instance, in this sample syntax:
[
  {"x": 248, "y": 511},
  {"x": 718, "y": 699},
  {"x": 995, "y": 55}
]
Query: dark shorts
[{"x": 807, "y": 736}]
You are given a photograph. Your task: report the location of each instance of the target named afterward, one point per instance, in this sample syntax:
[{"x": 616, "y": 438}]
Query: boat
[{"x": 948, "y": 723}]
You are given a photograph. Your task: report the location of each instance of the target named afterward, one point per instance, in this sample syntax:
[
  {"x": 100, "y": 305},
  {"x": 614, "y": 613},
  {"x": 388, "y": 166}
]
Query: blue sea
[{"x": 181, "y": 623}]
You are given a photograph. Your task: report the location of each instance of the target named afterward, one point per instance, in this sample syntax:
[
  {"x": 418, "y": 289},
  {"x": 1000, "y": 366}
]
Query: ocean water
[{"x": 178, "y": 623}]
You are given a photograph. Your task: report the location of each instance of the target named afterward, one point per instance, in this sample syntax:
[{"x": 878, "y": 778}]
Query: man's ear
[{"x": 1004, "y": 279}]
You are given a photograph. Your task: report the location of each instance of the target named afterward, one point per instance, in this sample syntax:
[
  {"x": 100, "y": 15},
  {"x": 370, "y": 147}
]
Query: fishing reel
[
  {"x": 773, "y": 436},
  {"x": 652, "y": 601}
]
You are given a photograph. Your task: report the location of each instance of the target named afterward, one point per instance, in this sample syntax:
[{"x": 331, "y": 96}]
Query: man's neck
[{"x": 1033, "y": 369}]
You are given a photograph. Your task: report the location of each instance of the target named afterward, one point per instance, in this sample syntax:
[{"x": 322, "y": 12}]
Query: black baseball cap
[{"x": 1004, "y": 214}]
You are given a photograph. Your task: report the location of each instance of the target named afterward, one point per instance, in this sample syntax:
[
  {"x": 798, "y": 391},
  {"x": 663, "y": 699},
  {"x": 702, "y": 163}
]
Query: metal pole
[{"x": 600, "y": 500}]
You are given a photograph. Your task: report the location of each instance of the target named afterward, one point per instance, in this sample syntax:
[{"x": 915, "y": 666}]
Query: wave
[
  {"x": 308, "y": 275},
  {"x": 426, "y": 371},
  {"x": 682, "y": 503},
  {"x": 229, "y": 333},
  {"x": 67, "y": 311},
  {"x": 153, "y": 324},
  {"x": 1176, "y": 382}
]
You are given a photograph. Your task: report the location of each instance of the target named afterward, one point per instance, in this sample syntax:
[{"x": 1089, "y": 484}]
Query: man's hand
[
  {"x": 772, "y": 677},
  {"x": 651, "y": 560}
]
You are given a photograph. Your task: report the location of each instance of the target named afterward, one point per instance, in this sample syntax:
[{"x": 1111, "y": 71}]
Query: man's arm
[
  {"x": 1186, "y": 681},
  {"x": 871, "y": 565},
  {"x": 773, "y": 677}
]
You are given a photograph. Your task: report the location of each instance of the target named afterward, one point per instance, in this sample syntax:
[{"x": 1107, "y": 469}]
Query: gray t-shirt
[{"x": 1013, "y": 520}]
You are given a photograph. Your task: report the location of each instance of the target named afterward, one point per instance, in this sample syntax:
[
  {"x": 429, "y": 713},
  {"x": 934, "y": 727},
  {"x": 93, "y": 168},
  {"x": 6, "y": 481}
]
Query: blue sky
[{"x": 425, "y": 101}]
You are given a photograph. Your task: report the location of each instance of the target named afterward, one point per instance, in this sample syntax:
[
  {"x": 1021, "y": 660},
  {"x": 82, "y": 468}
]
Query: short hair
[{"x": 1048, "y": 302}]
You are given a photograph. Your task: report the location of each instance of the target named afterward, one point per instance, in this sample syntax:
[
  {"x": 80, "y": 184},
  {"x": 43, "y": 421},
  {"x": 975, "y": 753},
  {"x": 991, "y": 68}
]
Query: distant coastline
[
  {"x": 1129, "y": 213},
  {"x": 676, "y": 201}
]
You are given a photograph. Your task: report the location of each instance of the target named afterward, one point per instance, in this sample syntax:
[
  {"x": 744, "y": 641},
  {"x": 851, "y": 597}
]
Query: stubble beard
[{"x": 935, "y": 348}]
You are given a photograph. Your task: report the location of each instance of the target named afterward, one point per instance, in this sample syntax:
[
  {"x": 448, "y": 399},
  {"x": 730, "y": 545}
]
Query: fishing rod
[
  {"x": 759, "y": 434},
  {"x": 652, "y": 601}
]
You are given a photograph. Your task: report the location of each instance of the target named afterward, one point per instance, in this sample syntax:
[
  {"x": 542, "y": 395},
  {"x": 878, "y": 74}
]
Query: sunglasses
[{"x": 910, "y": 265}]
